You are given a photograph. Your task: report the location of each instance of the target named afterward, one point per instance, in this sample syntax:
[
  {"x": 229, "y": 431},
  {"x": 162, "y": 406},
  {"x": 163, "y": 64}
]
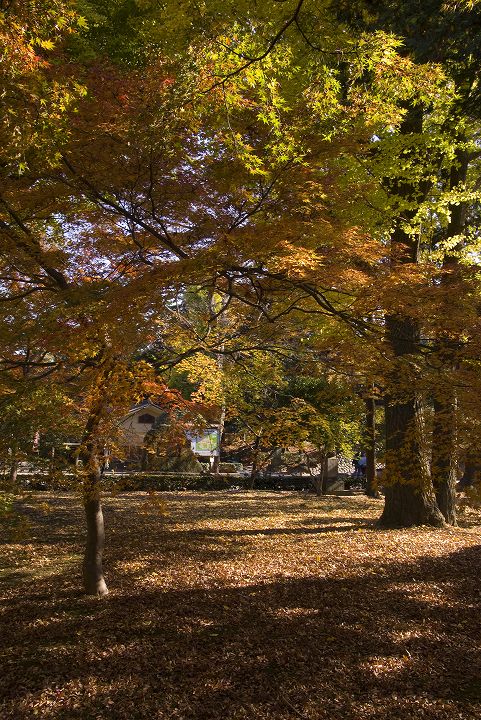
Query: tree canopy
[{"x": 274, "y": 204}]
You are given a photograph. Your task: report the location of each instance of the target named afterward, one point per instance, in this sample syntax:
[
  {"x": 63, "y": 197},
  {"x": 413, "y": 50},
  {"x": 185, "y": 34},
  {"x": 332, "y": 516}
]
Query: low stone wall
[
  {"x": 121, "y": 482},
  {"x": 171, "y": 481}
]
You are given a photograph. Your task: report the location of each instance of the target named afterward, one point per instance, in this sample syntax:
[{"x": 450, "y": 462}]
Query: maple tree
[
  {"x": 35, "y": 99},
  {"x": 209, "y": 185},
  {"x": 54, "y": 294},
  {"x": 93, "y": 278}
]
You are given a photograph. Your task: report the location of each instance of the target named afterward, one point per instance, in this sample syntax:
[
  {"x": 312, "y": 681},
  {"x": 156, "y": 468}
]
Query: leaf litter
[{"x": 240, "y": 605}]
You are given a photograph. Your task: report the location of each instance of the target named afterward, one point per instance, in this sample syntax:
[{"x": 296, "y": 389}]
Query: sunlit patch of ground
[{"x": 239, "y": 605}]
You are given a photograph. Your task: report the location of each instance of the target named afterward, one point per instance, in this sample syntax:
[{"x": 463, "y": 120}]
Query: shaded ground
[{"x": 237, "y": 605}]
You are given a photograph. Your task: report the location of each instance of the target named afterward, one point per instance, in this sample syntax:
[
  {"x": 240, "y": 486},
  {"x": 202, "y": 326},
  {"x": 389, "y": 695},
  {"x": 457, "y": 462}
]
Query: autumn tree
[
  {"x": 446, "y": 198},
  {"x": 55, "y": 288},
  {"x": 103, "y": 237},
  {"x": 271, "y": 157}
]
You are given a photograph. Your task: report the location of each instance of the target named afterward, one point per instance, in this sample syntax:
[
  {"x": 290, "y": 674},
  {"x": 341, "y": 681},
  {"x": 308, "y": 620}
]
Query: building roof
[{"x": 143, "y": 406}]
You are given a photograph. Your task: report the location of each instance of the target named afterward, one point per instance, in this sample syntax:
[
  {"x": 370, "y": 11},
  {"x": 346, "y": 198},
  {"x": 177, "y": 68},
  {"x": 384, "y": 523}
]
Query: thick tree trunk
[
  {"x": 370, "y": 432},
  {"x": 409, "y": 495},
  {"x": 444, "y": 446},
  {"x": 444, "y": 456},
  {"x": 407, "y": 506}
]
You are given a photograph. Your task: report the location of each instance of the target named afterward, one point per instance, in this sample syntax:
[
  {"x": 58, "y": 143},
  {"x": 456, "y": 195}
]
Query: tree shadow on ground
[
  {"x": 398, "y": 639},
  {"x": 344, "y": 525}
]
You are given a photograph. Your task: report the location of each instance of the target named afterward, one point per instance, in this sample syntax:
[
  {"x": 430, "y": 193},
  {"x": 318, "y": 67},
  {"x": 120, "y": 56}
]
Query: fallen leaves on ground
[{"x": 264, "y": 606}]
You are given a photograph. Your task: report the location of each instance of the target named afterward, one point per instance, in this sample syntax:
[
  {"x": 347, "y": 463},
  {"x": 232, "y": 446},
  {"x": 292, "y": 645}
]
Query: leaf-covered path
[{"x": 236, "y": 605}]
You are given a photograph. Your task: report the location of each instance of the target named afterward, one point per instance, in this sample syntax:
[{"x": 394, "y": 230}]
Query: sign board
[{"x": 206, "y": 444}]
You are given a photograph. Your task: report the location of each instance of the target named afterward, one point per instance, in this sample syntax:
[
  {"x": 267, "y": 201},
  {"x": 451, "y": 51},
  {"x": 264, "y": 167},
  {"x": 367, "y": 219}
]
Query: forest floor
[{"x": 230, "y": 605}]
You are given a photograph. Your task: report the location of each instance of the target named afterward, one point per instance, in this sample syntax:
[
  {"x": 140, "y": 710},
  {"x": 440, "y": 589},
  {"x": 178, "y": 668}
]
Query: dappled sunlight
[{"x": 252, "y": 605}]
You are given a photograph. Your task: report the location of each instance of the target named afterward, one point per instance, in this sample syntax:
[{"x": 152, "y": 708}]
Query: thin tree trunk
[
  {"x": 94, "y": 582},
  {"x": 319, "y": 480},
  {"x": 255, "y": 460},
  {"x": 92, "y": 569},
  {"x": 371, "y": 480},
  {"x": 216, "y": 461},
  {"x": 323, "y": 477},
  {"x": 144, "y": 459},
  {"x": 471, "y": 469},
  {"x": 13, "y": 472},
  {"x": 51, "y": 464},
  {"x": 217, "y": 318}
]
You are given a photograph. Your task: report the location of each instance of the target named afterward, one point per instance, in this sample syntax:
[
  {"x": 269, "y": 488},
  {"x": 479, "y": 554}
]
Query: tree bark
[
  {"x": 370, "y": 431},
  {"x": 409, "y": 495},
  {"x": 92, "y": 570},
  {"x": 406, "y": 506},
  {"x": 217, "y": 458},
  {"x": 255, "y": 459},
  {"x": 444, "y": 446},
  {"x": 471, "y": 469},
  {"x": 217, "y": 318},
  {"x": 444, "y": 455},
  {"x": 13, "y": 472},
  {"x": 93, "y": 577},
  {"x": 319, "y": 481},
  {"x": 90, "y": 449}
]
